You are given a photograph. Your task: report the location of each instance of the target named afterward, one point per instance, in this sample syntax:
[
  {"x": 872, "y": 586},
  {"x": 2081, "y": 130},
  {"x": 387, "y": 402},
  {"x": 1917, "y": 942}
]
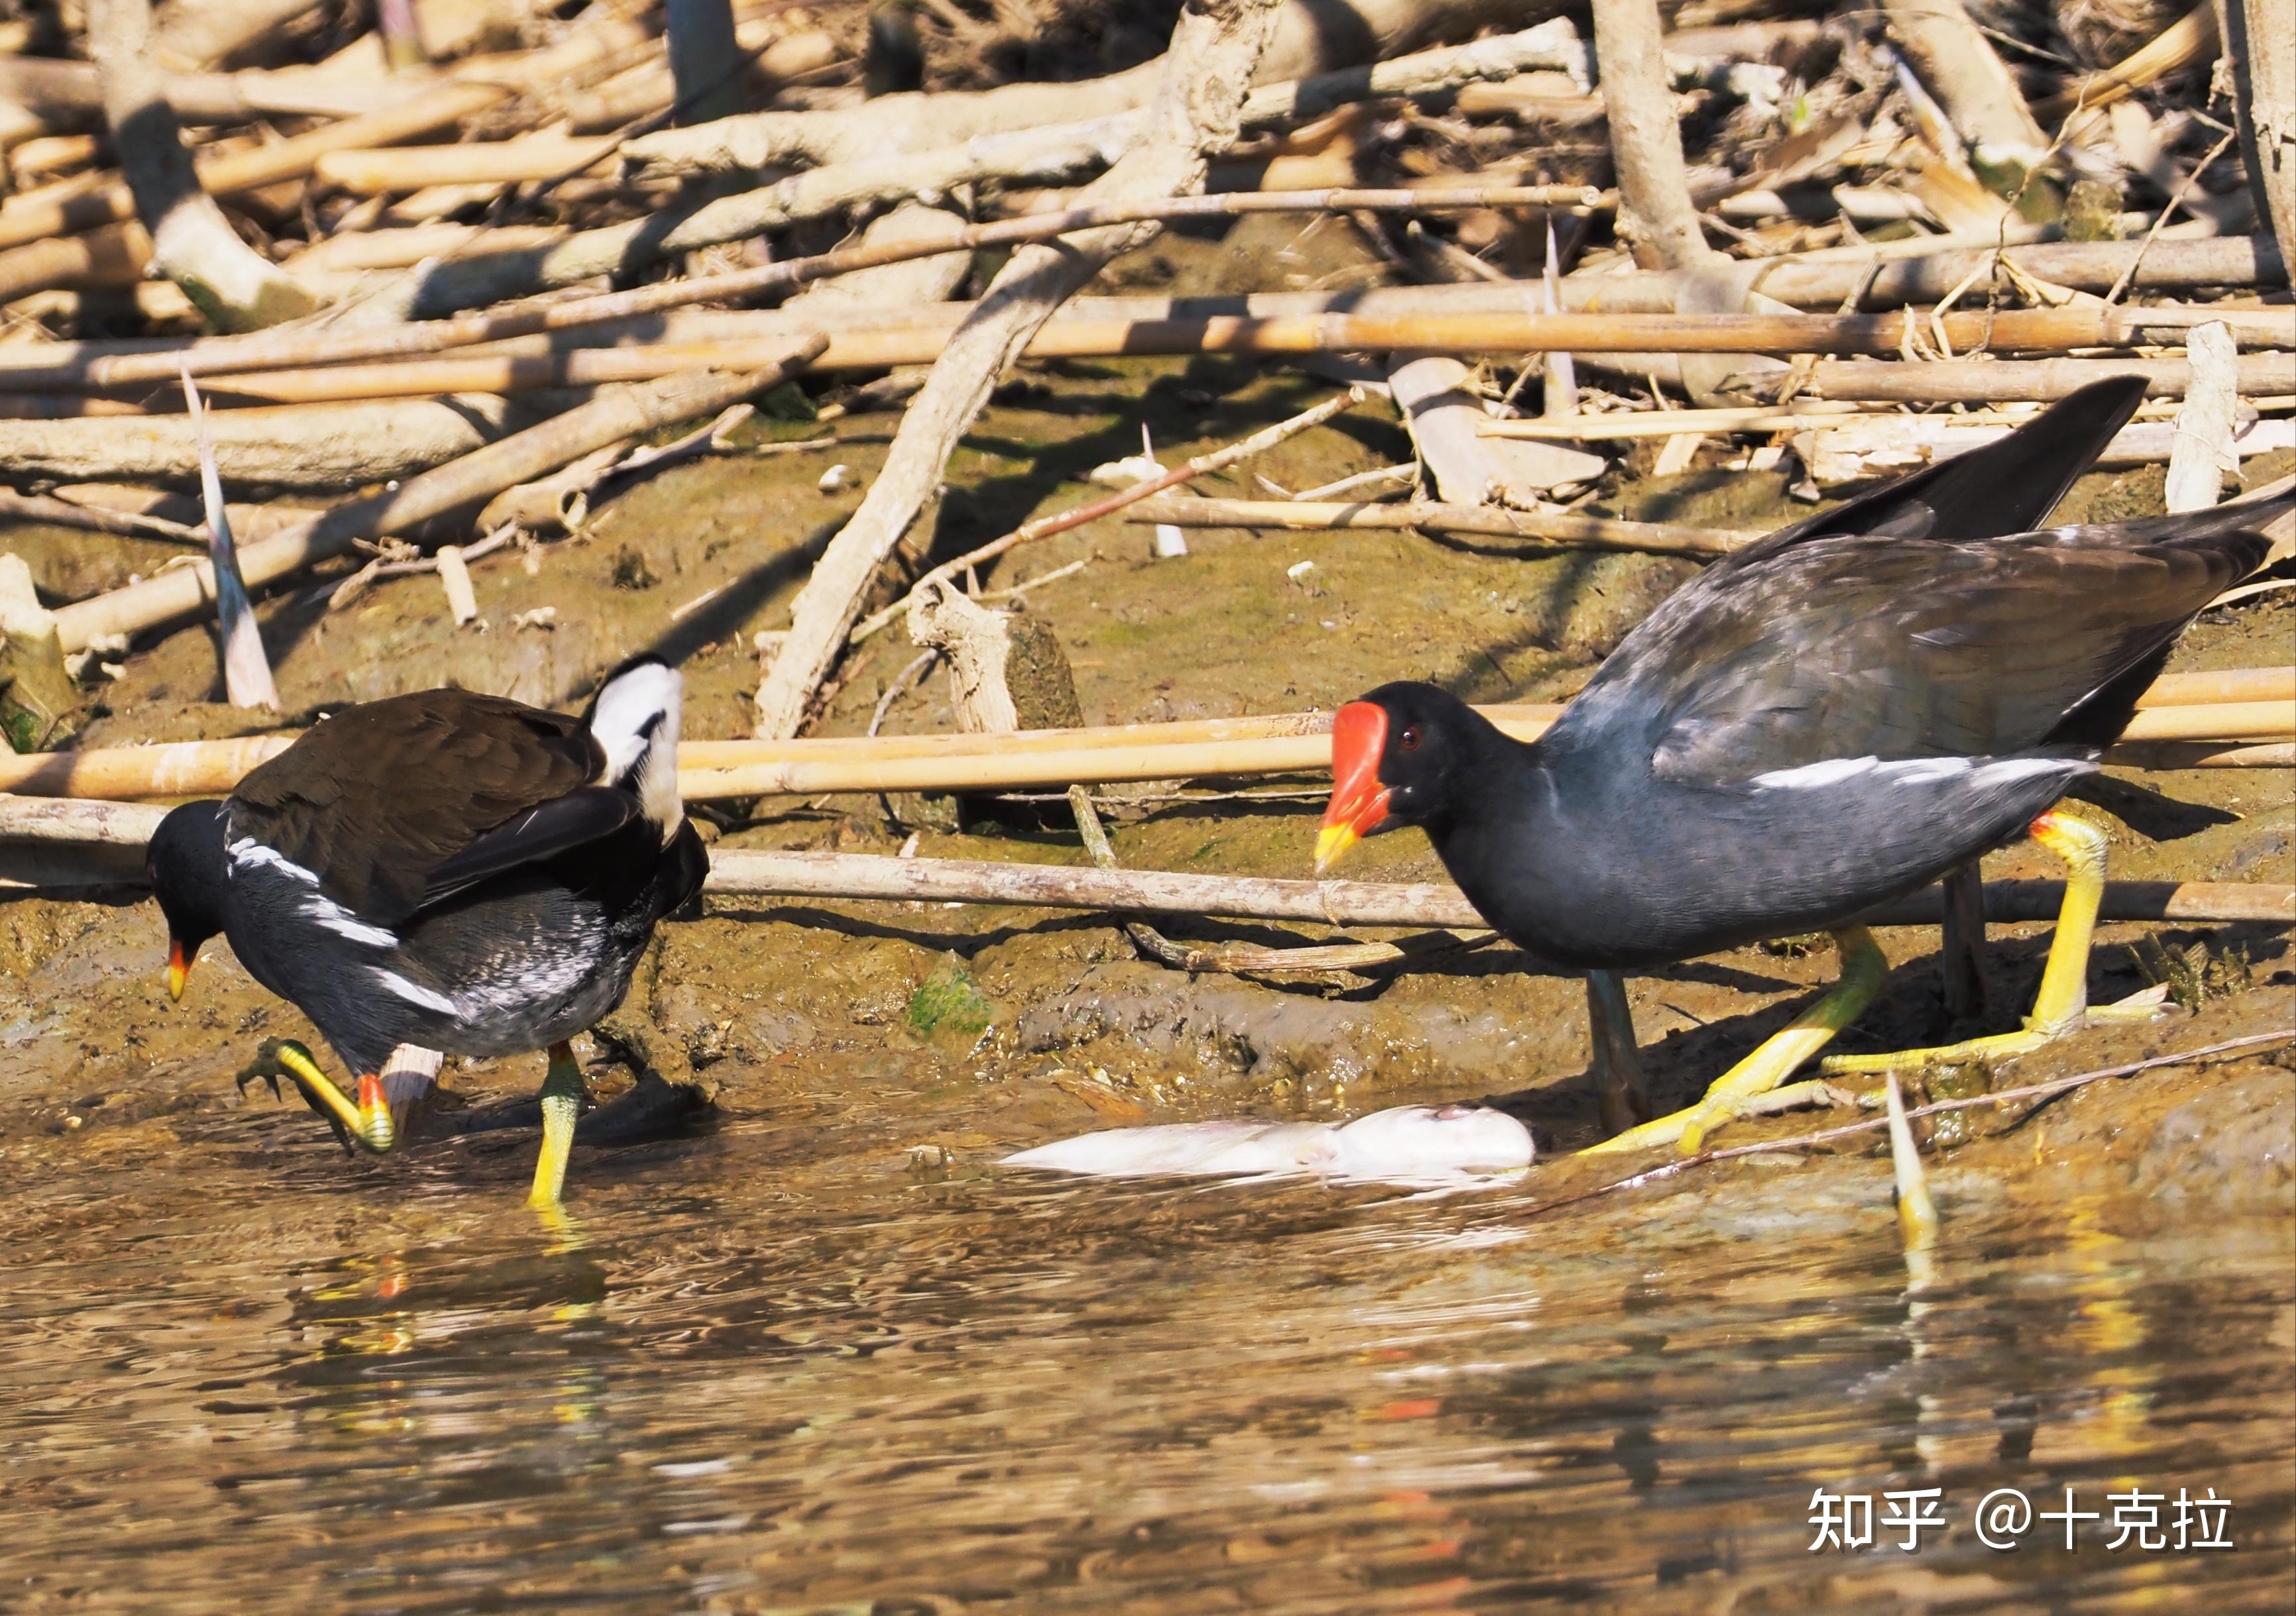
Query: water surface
[{"x": 778, "y": 1367}]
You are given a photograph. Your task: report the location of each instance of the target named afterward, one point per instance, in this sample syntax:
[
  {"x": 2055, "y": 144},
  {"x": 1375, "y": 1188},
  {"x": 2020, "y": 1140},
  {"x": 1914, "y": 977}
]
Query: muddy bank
[{"x": 1017, "y": 1026}]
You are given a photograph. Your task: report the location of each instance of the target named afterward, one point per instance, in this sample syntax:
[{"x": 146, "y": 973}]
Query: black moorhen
[
  {"x": 1819, "y": 724},
  {"x": 456, "y": 871}
]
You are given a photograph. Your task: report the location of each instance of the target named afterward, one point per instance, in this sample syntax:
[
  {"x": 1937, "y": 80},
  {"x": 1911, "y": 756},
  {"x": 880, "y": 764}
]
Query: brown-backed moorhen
[
  {"x": 455, "y": 871},
  {"x": 1817, "y": 724}
]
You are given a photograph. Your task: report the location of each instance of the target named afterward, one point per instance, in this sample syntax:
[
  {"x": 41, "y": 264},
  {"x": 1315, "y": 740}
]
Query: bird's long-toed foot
[
  {"x": 2061, "y": 1005},
  {"x": 1862, "y": 969},
  {"x": 368, "y": 1124},
  {"x": 562, "y": 1104}
]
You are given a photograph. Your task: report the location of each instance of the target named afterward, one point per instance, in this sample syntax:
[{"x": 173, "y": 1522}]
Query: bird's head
[
  {"x": 1399, "y": 755},
  {"x": 186, "y": 864}
]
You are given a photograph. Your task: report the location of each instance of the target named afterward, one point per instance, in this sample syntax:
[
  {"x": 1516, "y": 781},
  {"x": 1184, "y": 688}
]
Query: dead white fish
[{"x": 1444, "y": 1146}]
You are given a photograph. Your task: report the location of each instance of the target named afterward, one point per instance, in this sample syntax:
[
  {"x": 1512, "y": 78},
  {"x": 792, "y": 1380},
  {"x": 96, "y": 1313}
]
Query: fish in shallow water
[{"x": 1414, "y": 1144}]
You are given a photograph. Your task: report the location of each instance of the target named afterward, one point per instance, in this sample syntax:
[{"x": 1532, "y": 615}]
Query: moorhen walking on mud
[
  {"x": 460, "y": 873},
  {"x": 1817, "y": 724}
]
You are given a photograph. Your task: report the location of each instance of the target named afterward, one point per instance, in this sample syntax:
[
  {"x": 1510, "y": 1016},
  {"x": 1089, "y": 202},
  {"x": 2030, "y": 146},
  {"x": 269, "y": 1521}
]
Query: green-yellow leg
[
  {"x": 368, "y": 1124},
  {"x": 562, "y": 1103},
  {"x": 1862, "y": 969},
  {"x": 2062, "y": 1005}
]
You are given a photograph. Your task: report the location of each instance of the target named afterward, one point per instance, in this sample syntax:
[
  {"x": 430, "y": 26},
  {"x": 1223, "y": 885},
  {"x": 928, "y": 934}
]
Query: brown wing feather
[
  {"x": 375, "y": 798},
  {"x": 1898, "y": 648}
]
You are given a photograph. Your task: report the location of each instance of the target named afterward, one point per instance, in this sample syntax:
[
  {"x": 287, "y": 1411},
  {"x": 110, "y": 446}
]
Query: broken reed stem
[
  {"x": 2039, "y": 1093},
  {"x": 1061, "y": 522},
  {"x": 1557, "y": 528}
]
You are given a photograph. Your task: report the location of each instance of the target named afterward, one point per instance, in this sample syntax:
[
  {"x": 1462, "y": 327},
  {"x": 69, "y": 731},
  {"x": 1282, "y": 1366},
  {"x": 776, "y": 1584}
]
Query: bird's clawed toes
[{"x": 366, "y": 1126}]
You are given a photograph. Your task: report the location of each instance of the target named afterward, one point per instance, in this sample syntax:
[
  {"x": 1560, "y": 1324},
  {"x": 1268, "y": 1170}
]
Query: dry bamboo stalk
[
  {"x": 2228, "y": 684},
  {"x": 2015, "y": 380},
  {"x": 518, "y": 458},
  {"x": 1557, "y": 528},
  {"x": 1088, "y": 339},
  {"x": 373, "y": 172},
  {"x": 2214, "y": 721},
  {"x": 1517, "y": 332},
  {"x": 1283, "y": 741},
  {"x": 113, "y": 256},
  {"x": 1667, "y": 423},
  {"x": 902, "y": 336},
  {"x": 69, "y": 90}
]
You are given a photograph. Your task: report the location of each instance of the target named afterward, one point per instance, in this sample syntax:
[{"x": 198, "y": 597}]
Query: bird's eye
[{"x": 1409, "y": 739}]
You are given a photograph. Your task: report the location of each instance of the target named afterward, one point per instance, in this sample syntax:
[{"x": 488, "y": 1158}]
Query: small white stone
[
  {"x": 838, "y": 477},
  {"x": 1299, "y": 569}
]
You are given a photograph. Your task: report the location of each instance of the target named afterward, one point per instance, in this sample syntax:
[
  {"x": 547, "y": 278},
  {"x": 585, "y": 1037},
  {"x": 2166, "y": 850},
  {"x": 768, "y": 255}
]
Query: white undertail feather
[{"x": 635, "y": 722}]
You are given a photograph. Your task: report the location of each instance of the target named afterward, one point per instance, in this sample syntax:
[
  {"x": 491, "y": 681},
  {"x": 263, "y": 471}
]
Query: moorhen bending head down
[
  {"x": 1821, "y": 723},
  {"x": 459, "y": 872}
]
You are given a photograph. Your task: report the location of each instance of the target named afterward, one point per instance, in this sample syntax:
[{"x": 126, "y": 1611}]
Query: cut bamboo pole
[
  {"x": 2042, "y": 329},
  {"x": 1274, "y": 742},
  {"x": 518, "y": 458},
  {"x": 371, "y": 172},
  {"x": 69, "y": 91},
  {"x": 2229, "y": 684},
  {"x": 1561, "y": 528},
  {"x": 2017, "y": 381}
]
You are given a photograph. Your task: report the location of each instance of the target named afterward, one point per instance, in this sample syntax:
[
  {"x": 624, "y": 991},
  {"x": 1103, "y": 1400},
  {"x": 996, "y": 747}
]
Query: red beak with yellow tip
[
  {"x": 1359, "y": 800},
  {"x": 179, "y": 967}
]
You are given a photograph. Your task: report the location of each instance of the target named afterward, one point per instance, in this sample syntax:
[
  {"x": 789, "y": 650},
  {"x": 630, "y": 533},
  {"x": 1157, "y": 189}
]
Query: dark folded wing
[
  {"x": 1896, "y": 648},
  {"x": 376, "y": 798},
  {"x": 560, "y": 825}
]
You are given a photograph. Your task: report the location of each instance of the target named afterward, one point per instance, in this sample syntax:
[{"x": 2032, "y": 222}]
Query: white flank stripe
[
  {"x": 253, "y": 854},
  {"x": 414, "y": 993},
  {"x": 343, "y": 923},
  {"x": 1914, "y": 771}
]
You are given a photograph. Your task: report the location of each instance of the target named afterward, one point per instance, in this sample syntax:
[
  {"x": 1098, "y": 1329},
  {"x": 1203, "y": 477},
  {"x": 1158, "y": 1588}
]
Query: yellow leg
[
  {"x": 562, "y": 1103},
  {"x": 367, "y": 1123},
  {"x": 1862, "y": 969},
  {"x": 2062, "y": 1005}
]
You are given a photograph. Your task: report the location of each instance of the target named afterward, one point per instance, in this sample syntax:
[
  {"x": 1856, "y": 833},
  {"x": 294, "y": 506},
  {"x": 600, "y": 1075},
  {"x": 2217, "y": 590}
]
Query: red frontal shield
[{"x": 1359, "y": 800}]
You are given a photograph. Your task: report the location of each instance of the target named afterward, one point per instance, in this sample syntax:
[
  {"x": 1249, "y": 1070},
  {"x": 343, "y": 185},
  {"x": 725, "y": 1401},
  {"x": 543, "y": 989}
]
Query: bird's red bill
[
  {"x": 179, "y": 967},
  {"x": 1359, "y": 800}
]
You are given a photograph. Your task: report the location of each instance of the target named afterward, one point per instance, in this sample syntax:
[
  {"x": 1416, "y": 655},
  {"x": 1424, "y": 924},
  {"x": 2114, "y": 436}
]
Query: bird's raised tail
[
  {"x": 634, "y": 718},
  {"x": 2227, "y": 542}
]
